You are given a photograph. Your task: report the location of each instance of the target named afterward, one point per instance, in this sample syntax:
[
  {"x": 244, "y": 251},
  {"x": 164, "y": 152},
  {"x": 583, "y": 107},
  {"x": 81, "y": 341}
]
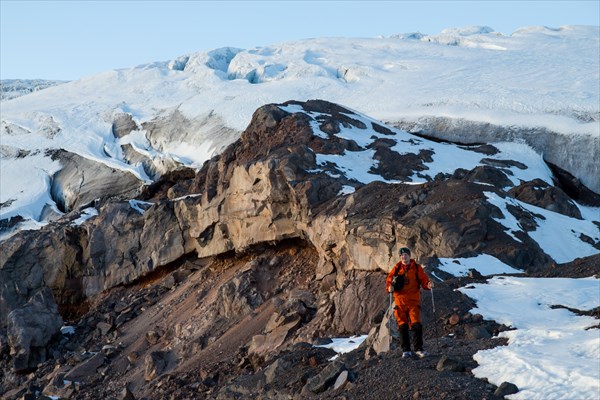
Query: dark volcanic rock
[
  {"x": 573, "y": 186},
  {"x": 539, "y": 193},
  {"x": 30, "y": 327},
  {"x": 325, "y": 378},
  {"x": 449, "y": 364},
  {"x": 506, "y": 388},
  {"x": 485, "y": 174}
]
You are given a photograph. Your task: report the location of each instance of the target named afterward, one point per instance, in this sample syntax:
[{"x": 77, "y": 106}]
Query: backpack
[{"x": 398, "y": 280}]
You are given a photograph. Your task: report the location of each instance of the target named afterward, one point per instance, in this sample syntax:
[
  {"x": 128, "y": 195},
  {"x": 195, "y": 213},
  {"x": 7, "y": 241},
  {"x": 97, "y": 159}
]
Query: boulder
[
  {"x": 278, "y": 367},
  {"x": 60, "y": 388},
  {"x": 86, "y": 370},
  {"x": 243, "y": 387},
  {"x": 154, "y": 365},
  {"x": 341, "y": 381},
  {"x": 476, "y": 332},
  {"x": 123, "y": 125},
  {"x": 486, "y": 174},
  {"x": 31, "y": 327},
  {"x": 264, "y": 344},
  {"x": 152, "y": 337},
  {"x": 448, "y": 364},
  {"x": 103, "y": 327},
  {"x": 81, "y": 182},
  {"x": 474, "y": 274},
  {"x": 454, "y": 319},
  {"x": 381, "y": 338},
  {"x": 505, "y": 389},
  {"x": 326, "y": 378},
  {"x": 541, "y": 194}
]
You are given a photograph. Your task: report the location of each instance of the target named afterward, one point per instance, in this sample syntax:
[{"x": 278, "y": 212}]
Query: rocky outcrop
[
  {"x": 578, "y": 160},
  {"x": 270, "y": 188},
  {"x": 539, "y": 193},
  {"x": 123, "y": 125},
  {"x": 29, "y": 329},
  {"x": 207, "y": 134},
  {"x": 81, "y": 181}
]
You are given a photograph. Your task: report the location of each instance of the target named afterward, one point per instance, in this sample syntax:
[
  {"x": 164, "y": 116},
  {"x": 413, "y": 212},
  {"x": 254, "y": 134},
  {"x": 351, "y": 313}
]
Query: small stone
[
  {"x": 152, "y": 337},
  {"x": 109, "y": 350},
  {"x": 122, "y": 318},
  {"x": 319, "y": 383},
  {"x": 178, "y": 330},
  {"x": 169, "y": 282},
  {"x": 132, "y": 357},
  {"x": 103, "y": 327},
  {"x": 454, "y": 319},
  {"x": 181, "y": 275},
  {"x": 474, "y": 274},
  {"x": 341, "y": 380},
  {"x": 126, "y": 394},
  {"x": 120, "y": 306}
]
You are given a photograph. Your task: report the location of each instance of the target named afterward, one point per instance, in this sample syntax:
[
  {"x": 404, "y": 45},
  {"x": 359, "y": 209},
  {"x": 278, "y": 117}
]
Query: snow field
[{"x": 552, "y": 353}]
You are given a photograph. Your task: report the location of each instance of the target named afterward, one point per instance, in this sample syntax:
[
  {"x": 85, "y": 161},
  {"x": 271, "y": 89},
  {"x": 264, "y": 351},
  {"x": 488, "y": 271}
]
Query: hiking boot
[
  {"x": 407, "y": 354},
  {"x": 421, "y": 353}
]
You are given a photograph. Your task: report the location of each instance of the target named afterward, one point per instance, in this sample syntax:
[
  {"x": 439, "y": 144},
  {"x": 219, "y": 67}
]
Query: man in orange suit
[{"x": 405, "y": 281}]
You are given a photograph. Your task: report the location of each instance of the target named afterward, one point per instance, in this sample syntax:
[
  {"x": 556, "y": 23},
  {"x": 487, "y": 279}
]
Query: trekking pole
[
  {"x": 437, "y": 345},
  {"x": 390, "y": 321}
]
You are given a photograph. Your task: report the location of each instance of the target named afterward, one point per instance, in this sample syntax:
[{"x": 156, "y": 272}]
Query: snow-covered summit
[{"x": 539, "y": 85}]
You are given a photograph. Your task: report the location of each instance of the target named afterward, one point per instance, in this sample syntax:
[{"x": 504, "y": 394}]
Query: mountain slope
[
  {"x": 472, "y": 85},
  {"x": 13, "y": 88},
  {"x": 233, "y": 272}
]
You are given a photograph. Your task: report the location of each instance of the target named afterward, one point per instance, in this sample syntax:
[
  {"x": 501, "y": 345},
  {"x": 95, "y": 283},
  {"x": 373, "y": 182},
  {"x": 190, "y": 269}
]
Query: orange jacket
[{"x": 410, "y": 293}]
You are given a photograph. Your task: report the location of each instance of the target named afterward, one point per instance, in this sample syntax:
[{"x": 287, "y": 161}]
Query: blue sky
[{"x": 72, "y": 39}]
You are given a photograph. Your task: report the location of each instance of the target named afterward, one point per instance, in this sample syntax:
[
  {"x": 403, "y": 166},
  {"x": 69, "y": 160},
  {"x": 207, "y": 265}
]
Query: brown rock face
[
  {"x": 539, "y": 193},
  {"x": 29, "y": 328},
  {"x": 265, "y": 247}
]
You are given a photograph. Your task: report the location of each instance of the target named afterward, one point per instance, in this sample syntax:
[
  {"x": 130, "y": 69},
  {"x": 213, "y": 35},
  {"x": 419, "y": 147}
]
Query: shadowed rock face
[
  {"x": 279, "y": 247},
  {"x": 81, "y": 181},
  {"x": 539, "y": 193},
  {"x": 29, "y": 328}
]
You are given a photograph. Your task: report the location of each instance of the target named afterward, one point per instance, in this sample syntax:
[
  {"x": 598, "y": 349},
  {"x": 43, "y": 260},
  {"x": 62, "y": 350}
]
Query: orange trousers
[{"x": 407, "y": 314}]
